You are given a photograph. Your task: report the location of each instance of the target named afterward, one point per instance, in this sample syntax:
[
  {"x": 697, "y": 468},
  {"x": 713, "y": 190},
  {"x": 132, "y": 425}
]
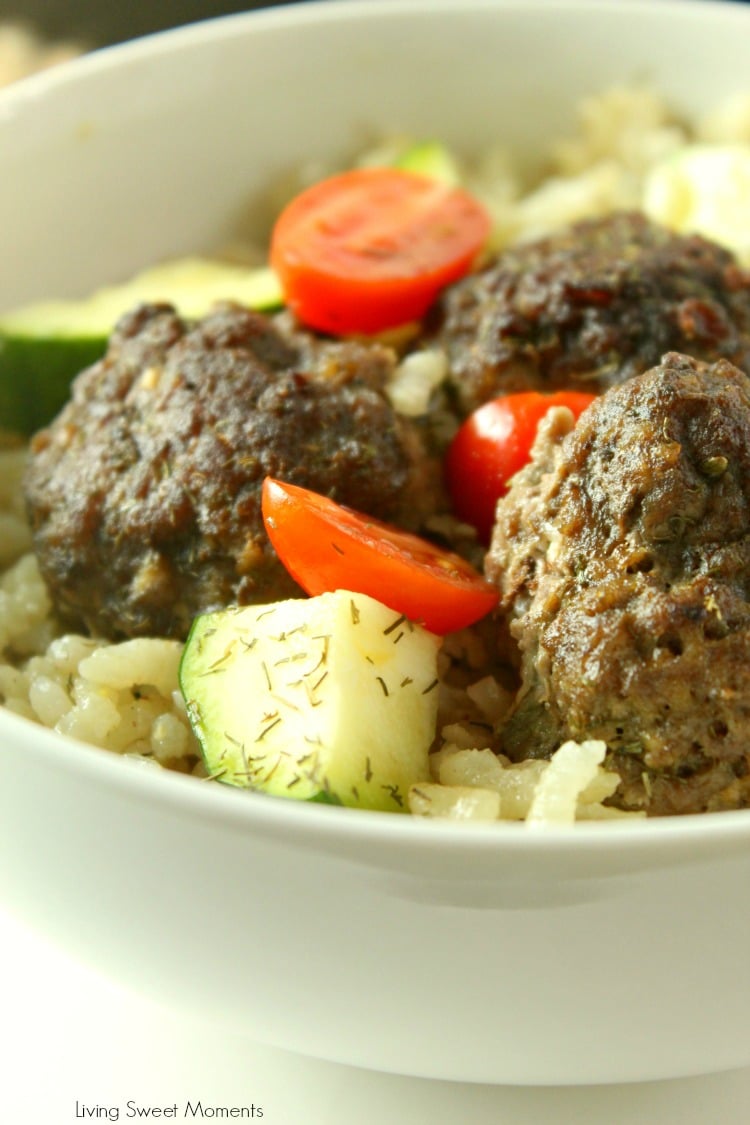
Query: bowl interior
[{"x": 163, "y": 146}]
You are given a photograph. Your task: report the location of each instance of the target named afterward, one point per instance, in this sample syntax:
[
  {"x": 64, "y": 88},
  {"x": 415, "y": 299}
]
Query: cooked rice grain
[
  {"x": 571, "y": 786},
  {"x": 122, "y": 697}
]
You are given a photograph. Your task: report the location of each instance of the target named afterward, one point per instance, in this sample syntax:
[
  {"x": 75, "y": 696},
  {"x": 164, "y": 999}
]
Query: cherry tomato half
[
  {"x": 371, "y": 248},
  {"x": 492, "y": 445},
  {"x": 325, "y": 547}
]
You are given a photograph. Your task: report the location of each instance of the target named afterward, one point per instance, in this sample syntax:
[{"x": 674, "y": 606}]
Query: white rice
[{"x": 627, "y": 141}]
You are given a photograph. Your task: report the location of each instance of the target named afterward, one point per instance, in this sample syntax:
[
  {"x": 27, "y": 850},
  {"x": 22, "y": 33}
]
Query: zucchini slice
[
  {"x": 326, "y": 698},
  {"x": 44, "y": 345}
]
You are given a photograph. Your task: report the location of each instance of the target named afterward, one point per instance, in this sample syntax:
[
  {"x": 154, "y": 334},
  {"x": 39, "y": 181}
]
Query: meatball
[
  {"x": 591, "y": 306},
  {"x": 623, "y": 556},
  {"x": 144, "y": 493}
]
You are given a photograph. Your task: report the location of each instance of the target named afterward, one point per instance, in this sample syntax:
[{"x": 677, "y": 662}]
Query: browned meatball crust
[
  {"x": 589, "y": 307},
  {"x": 623, "y": 557},
  {"x": 144, "y": 493}
]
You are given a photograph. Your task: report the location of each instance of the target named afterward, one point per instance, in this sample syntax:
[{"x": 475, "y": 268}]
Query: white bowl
[{"x": 610, "y": 952}]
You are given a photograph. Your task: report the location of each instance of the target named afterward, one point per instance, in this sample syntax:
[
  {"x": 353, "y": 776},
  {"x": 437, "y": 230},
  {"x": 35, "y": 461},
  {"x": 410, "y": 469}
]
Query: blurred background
[
  {"x": 38, "y": 33},
  {"x": 99, "y": 22}
]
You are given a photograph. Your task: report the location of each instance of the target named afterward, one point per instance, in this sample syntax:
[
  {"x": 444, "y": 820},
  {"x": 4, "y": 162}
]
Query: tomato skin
[
  {"x": 491, "y": 445},
  {"x": 370, "y": 249},
  {"x": 326, "y": 547}
]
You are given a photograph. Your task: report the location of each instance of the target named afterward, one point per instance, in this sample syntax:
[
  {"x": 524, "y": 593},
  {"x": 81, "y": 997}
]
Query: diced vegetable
[
  {"x": 370, "y": 249},
  {"x": 330, "y": 698},
  {"x": 325, "y": 546},
  {"x": 44, "y": 345},
  {"x": 433, "y": 159}
]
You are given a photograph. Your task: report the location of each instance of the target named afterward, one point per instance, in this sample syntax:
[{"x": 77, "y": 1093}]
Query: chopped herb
[{"x": 270, "y": 727}]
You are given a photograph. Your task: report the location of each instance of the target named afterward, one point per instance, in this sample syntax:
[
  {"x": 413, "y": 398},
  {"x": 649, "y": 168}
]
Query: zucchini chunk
[
  {"x": 331, "y": 698},
  {"x": 43, "y": 346},
  {"x": 431, "y": 159}
]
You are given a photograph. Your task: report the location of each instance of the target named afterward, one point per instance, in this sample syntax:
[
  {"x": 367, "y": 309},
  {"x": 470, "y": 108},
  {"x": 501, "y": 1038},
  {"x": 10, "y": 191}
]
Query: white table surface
[{"x": 73, "y": 1041}]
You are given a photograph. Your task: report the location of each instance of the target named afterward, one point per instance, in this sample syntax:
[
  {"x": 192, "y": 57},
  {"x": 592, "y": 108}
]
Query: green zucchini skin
[
  {"x": 36, "y": 374},
  {"x": 43, "y": 346}
]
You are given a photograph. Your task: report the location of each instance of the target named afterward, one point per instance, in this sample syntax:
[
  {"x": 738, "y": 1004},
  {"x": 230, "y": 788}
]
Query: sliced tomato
[
  {"x": 326, "y": 546},
  {"x": 370, "y": 249},
  {"x": 492, "y": 445}
]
